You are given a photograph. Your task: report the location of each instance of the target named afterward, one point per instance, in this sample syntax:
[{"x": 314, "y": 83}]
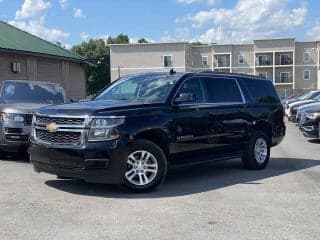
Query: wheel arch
[
  {"x": 158, "y": 136},
  {"x": 264, "y": 126}
]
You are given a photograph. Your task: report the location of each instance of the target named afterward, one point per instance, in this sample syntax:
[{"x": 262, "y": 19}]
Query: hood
[
  {"x": 290, "y": 101},
  {"x": 311, "y": 108},
  {"x": 300, "y": 103},
  {"x": 95, "y": 107},
  {"x": 22, "y": 108}
]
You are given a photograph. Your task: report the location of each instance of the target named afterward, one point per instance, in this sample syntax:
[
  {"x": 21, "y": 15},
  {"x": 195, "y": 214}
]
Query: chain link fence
[{"x": 286, "y": 93}]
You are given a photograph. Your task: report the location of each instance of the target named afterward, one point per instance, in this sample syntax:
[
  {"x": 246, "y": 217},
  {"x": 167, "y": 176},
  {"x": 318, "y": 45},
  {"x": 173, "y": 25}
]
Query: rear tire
[
  {"x": 258, "y": 153},
  {"x": 3, "y": 155},
  {"x": 146, "y": 166}
]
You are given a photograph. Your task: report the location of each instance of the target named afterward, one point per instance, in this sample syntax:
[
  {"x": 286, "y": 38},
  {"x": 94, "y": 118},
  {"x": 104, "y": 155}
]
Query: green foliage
[
  {"x": 97, "y": 52},
  {"x": 120, "y": 39},
  {"x": 59, "y": 44},
  {"x": 142, "y": 40},
  {"x": 198, "y": 44}
]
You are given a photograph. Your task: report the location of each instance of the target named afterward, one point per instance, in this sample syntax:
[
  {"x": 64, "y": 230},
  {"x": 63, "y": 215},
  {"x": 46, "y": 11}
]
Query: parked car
[
  {"x": 306, "y": 96},
  {"x": 18, "y": 101},
  {"x": 285, "y": 100},
  {"x": 134, "y": 129},
  {"x": 293, "y": 107},
  {"x": 294, "y": 96},
  {"x": 309, "y": 120},
  {"x": 304, "y": 107}
]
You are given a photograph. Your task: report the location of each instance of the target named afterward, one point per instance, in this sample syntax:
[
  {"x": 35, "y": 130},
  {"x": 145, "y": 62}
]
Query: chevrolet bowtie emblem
[{"x": 52, "y": 127}]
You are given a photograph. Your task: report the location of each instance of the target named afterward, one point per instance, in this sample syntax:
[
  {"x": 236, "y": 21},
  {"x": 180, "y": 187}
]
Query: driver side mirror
[{"x": 185, "y": 98}]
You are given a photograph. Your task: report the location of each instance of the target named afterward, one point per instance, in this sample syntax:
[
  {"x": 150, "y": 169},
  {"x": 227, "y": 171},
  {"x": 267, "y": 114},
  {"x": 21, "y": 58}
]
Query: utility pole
[{"x": 119, "y": 71}]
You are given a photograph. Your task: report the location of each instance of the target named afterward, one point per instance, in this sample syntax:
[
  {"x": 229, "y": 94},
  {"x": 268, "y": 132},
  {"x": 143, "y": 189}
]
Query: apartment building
[{"x": 287, "y": 63}]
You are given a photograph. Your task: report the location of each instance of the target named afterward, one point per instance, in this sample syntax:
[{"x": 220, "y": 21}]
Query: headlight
[
  {"x": 12, "y": 117},
  {"x": 103, "y": 129},
  {"x": 313, "y": 115}
]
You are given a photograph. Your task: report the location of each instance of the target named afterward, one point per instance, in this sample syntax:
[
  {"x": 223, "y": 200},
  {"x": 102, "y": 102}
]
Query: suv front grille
[
  {"x": 68, "y": 130},
  {"x": 44, "y": 120},
  {"x": 28, "y": 119},
  {"x": 69, "y": 138}
]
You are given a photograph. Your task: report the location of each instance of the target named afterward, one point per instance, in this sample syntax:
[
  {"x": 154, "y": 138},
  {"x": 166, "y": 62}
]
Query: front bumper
[
  {"x": 14, "y": 137},
  {"x": 100, "y": 162},
  {"x": 293, "y": 115},
  {"x": 310, "y": 128}
]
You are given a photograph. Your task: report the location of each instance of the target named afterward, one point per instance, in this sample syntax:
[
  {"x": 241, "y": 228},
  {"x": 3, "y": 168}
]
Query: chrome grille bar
[{"x": 70, "y": 129}]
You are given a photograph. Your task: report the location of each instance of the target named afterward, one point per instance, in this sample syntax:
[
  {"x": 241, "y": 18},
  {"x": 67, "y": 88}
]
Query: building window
[
  {"x": 15, "y": 67},
  {"x": 306, "y": 57},
  {"x": 263, "y": 60},
  {"x": 205, "y": 61},
  {"x": 167, "y": 61},
  {"x": 263, "y": 75},
  {"x": 221, "y": 61},
  {"x": 284, "y": 77},
  {"x": 306, "y": 75},
  {"x": 240, "y": 59},
  {"x": 285, "y": 59}
]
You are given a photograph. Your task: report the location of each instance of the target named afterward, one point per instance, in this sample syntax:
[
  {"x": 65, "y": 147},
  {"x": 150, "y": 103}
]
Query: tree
[
  {"x": 120, "y": 39},
  {"x": 98, "y": 75},
  {"x": 59, "y": 44},
  {"x": 198, "y": 44},
  {"x": 143, "y": 40}
]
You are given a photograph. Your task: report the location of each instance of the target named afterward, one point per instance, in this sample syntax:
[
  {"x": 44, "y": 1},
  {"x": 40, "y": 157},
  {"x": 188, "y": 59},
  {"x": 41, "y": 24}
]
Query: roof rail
[{"x": 226, "y": 73}]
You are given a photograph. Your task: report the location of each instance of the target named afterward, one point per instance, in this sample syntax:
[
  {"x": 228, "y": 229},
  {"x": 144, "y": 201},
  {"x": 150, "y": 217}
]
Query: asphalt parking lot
[{"x": 213, "y": 201}]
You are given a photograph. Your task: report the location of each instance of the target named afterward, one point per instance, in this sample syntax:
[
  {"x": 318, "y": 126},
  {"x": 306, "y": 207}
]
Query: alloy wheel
[
  {"x": 142, "y": 168},
  {"x": 261, "y": 150}
]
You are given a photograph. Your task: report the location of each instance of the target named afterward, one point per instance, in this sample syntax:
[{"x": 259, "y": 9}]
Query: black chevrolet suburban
[{"x": 134, "y": 129}]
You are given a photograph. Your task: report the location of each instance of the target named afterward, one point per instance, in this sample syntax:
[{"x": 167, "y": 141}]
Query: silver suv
[{"x": 18, "y": 101}]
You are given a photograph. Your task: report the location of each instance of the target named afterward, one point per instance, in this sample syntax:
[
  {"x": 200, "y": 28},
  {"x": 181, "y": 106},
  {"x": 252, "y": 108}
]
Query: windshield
[
  {"x": 316, "y": 98},
  {"x": 33, "y": 92},
  {"x": 306, "y": 96},
  {"x": 148, "y": 88}
]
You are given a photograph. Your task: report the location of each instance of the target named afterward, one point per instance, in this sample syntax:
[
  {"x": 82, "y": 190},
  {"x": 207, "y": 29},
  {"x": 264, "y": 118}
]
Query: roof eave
[{"x": 46, "y": 55}]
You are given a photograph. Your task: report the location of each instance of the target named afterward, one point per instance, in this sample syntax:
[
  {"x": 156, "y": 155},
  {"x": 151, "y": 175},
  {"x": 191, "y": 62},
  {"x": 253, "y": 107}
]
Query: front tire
[
  {"x": 146, "y": 166},
  {"x": 258, "y": 153}
]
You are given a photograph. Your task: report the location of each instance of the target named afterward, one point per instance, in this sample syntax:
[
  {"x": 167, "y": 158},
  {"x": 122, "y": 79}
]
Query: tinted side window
[
  {"x": 315, "y": 95},
  {"x": 193, "y": 85},
  {"x": 261, "y": 91},
  {"x": 220, "y": 90}
]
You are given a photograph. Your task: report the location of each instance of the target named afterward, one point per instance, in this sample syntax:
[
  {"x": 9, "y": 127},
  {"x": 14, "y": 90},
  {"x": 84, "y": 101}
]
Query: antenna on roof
[{"x": 172, "y": 71}]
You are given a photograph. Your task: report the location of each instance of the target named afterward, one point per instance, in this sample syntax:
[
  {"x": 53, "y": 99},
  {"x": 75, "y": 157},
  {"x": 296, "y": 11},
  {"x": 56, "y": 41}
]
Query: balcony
[
  {"x": 263, "y": 63},
  {"x": 284, "y": 80},
  {"x": 221, "y": 61},
  {"x": 284, "y": 59},
  {"x": 264, "y": 60}
]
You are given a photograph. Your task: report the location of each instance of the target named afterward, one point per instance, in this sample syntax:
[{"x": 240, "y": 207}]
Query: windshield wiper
[{"x": 123, "y": 99}]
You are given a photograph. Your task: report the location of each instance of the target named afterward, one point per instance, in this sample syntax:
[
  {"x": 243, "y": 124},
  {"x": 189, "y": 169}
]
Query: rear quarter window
[
  {"x": 222, "y": 90},
  {"x": 261, "y": 91}
]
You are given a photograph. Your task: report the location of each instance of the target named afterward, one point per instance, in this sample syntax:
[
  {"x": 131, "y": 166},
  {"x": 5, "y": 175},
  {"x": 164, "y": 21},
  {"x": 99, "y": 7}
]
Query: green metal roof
[{"x": 14, "y": 39}]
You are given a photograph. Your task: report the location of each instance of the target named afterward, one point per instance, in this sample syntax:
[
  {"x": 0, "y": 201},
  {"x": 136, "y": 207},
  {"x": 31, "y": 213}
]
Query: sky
[{"x": 208, "y": 21}]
